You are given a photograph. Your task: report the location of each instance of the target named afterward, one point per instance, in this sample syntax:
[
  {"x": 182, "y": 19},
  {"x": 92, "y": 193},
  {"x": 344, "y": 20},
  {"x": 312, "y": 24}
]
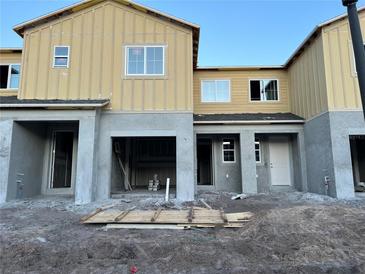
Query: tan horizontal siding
[
  {"x": 240, "y": 100},
  {"x": 97, "y": 37}
]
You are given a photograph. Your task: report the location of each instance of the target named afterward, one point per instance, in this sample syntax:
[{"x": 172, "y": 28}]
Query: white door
[{"x": 279, "y": 161}]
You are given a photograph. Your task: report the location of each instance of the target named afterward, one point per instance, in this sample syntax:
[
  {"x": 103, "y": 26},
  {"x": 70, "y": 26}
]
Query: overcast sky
[{"x": 233, "y": 32}]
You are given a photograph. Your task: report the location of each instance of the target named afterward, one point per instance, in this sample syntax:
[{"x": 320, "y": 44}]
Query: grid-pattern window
[
  {"x": 257, "y": 150},
  {"x": 228, "y": 151},
  {"x": 215, "y": 91},
  {"x": 61, "y": 56},
  {"x": 145, "y": 60},
  {"x": 264, "y": 90},
  {"x": 9, "y": 76}
]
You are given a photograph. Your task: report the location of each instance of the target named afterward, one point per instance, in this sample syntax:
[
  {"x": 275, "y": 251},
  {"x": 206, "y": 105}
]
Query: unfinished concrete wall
[
  {"x": 227, "y": 176},
  {"x": 344, "y": 124},
  {"x": 262, "y": 168},
  {"x": 179, "y": 125},
  {"x": 26, "y": 160},
  {"x": 6, "y": 131}
]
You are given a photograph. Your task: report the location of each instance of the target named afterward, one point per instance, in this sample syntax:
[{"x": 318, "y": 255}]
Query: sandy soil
[{"x": 290, "y": 233}]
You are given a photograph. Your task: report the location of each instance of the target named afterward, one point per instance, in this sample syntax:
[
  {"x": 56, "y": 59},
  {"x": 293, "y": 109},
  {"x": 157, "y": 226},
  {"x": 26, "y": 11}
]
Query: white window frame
[
  {"x": 127, "y": 47},
  {"x": 263, "y": 94},
  {"x": 258, "y": 142},
  {"x": 215, "y": 80},
  {"x": 9, "y": 75},
  {"x": 62, "y": 56},
  {"x": 230, "y": 149}
]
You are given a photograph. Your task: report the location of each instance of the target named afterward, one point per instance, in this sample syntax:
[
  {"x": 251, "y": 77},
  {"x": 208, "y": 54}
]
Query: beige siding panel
[
  {"x": 10, "y": 58},
  {"x": 308, "y": 81},
  {"x": 97, "y": 37},
  {"x": 343, "y": 89},
  {"x": 240, "y": 98}
]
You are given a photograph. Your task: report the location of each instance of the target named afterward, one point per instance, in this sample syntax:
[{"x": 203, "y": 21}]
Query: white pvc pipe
[{"x": 167, "y": 189}]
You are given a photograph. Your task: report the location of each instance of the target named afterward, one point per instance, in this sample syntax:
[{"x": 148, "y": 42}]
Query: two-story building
[{"x": 106, "y": 96}]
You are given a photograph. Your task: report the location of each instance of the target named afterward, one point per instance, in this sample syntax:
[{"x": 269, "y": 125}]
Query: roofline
[
  {"x": 247, "y": 122},
  {"x": 20, "y": 27},
  {"x": 11, "y": 49},
  {"x": 56, "y": 105},
  {"x": 239, "y": 67},
  {"x": 314, "y": 32}
]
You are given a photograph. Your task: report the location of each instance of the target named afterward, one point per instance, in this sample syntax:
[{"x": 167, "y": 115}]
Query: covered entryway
[
  {"x": 357, "y": 143},
  {"x": 143, "y": 165}
]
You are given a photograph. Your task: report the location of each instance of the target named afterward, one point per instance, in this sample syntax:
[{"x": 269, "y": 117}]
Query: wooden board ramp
[{"x": 167, "y": 219}]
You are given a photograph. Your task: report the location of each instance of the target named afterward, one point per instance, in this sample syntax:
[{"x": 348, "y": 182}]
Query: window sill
[
  {"x": 145, "y": 77},
  {"x": 265, "y": 102}
]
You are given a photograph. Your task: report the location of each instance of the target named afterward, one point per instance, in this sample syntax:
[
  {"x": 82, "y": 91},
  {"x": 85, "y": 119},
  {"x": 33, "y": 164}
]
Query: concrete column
[
  {"x": 86, "y": 160},
  {"x": 185, "y": 167},
  {"x": 303, "y": 163},
  {"x": 248, "y": 161},
  {"x": 6, "y": 128}
]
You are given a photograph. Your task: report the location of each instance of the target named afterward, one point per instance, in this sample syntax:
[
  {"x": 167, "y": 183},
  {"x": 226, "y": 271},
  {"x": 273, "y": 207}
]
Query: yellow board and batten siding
[
  {"x": 7, "y": 58},
  {"x": 240, "y": 96},
  {"x": 97, "y": 37},
  {"x": 342, "y": 84},
  {"x": 308, "y": 82}
]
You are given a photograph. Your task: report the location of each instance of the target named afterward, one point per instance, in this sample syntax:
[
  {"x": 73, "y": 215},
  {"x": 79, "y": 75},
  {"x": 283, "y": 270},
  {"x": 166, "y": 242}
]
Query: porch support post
[
  {"x": 85, "y": 186},
  {"x": 6, "y": 129},
  {"x": 248, "y": 161},
  {"x": 303, "y": 162}
]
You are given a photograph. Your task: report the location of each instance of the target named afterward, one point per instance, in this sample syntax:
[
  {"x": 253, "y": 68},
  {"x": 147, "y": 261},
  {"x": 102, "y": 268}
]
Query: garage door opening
[
  {"x": 143, "y": 165},
  {"x": 357, "y": 144}
]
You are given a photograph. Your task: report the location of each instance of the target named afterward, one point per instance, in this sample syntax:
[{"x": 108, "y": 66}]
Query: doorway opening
[
  {"x": 204, "y": 161},
  {"x": 357, "y": 145},
  {"x": 143, "y": 165}
]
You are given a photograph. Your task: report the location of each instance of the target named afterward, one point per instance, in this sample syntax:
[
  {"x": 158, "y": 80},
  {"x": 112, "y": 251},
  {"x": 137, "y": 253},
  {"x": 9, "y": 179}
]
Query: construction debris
[
  {"x": 205, "y": 204},
  {"x": 167, "y": 219},
  {"x": 239, "y": 196}
]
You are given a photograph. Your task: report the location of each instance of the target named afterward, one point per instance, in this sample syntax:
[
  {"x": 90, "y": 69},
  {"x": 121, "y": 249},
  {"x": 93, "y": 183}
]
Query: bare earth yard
[{"x": 289, "y": 233}]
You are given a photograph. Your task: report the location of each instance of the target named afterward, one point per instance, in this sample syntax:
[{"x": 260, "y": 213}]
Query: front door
[
  {"x": 279, "y": 161},
  {"x": 62, "y": 155}
]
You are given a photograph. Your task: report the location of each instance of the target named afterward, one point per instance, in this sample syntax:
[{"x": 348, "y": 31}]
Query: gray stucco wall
[
  {"x": 179, "y": 125},
  {"x": 6, "y": 131},
  {"x": 328, "y": 151},
  {"x": 26, "y": 160},
  {"x": 319, "y": 154}
]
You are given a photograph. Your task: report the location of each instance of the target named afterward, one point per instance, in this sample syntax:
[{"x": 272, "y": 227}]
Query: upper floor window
[
  {"x": 228, "y": 151},
  {"x": 215, "y": 91},
  {"x": 264, "y": 90},
  {"x": 61, "y": 56},
  {"x": 9, "y": 76},
  {"x": 145, "y": 60}
]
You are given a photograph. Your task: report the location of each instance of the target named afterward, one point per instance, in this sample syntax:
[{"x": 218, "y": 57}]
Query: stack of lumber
[{"x": 167, "y": 219}]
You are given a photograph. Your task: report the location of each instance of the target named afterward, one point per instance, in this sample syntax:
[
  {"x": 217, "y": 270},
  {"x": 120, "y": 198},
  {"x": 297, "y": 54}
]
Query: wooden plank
[
  {"x": 155, "y": 216},
  {"x": 191, "y": 215},
  {"x": 205, "y": 204},
  {"x": 146, "y": 226},
  {"x": 223, "y": 216},
  {"x": 123, "y": 214}
]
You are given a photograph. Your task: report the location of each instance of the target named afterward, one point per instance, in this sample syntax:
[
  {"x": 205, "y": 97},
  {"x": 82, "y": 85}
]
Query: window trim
[
  {"x": 126, "y": 57},
  {"x": 258, "y": 142},
  {"x": 234, "y": 151},
  {"x": 215, "y": 80},
  {"x": 263, "y": 101},
  {"x": 54, "y": 56},
  {"x": 9, "y": 75}
]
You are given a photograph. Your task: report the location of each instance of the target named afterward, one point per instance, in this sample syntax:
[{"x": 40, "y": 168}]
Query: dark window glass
[
  {"x": 255, "y": 90},
  {"x": 4, "y": 73}
]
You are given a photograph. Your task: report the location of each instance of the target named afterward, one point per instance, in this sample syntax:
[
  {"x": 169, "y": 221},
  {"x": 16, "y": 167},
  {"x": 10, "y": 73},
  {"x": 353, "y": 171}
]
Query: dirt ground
[{"x": 289, "y": 233}]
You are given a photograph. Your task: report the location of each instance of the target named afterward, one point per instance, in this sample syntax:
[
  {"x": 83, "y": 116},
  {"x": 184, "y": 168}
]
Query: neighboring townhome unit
[{"x": 106, "y": 99}]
